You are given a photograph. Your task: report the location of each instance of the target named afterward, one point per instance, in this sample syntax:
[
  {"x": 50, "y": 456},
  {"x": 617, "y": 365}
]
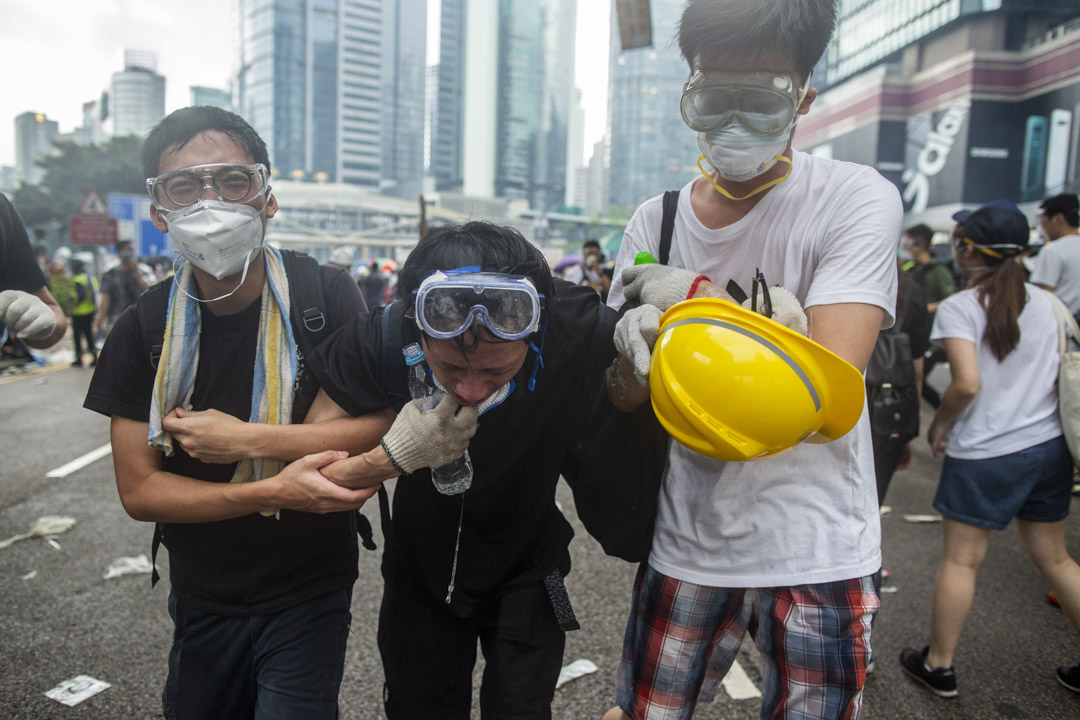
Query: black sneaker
[
  {"x": 1070, "y": 677},
  {"x": 942, "y": 682}
]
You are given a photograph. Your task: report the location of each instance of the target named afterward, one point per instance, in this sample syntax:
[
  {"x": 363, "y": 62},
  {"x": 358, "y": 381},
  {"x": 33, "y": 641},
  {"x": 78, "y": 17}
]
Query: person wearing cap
[
  {"x": 521, "y": 357},
  {"x": 789, "y": 543},
  {"x": 999, "y": 429},
  {"x": 27, "y": 308},
  {"x": 1057, "y": 267}
]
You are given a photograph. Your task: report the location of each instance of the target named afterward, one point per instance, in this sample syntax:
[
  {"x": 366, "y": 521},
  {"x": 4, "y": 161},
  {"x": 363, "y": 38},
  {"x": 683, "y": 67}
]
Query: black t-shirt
[
  {"x": 512, "y": 533},
  {"x": 120, "y": 285},
  {"x": 18, "y": 266},
  {"x": 914, "y": 318},
  {"x": 251, "y": 565}
]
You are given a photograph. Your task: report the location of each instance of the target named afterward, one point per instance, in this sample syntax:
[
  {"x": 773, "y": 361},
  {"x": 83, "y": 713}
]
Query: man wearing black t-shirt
[
  {"x": 27, "y": 308},
  {"x": 261, "y": 572},
  {"x": 504, "y": 339}
]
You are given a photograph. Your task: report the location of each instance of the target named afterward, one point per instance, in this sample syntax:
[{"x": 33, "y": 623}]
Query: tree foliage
[{"x": 75, "y": 171}]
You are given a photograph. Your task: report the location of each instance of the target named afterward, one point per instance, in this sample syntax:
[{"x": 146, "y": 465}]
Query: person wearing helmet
[
  {"x": 521, "y": 357},
  {"x": 789, "y": 541}
]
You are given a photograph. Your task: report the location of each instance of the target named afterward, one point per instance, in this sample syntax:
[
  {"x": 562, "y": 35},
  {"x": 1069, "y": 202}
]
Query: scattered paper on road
[
  {"x": 738, "y": 684},
  {"x": 30, "y": 575},
  {"x": 74, "y": 691},
  {"x": 922, "y": 518},
  {"x": 575, "y": 670},
  {"x": 46, "y": 527},
  {"x": 885, "y": 510},
  {"x": 129, "y": 566},
  {"x": 889, "y": 589}
]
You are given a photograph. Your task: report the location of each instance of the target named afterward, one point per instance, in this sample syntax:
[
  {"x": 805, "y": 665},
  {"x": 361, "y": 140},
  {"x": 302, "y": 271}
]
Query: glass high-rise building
[
  {"x": 137, "y": 98},
  {"x": 313, "y": 81},
  {"x": 34, "y": 136},
  {"x": 505, "y": 92},
  {"x": 651, "y": 149}
]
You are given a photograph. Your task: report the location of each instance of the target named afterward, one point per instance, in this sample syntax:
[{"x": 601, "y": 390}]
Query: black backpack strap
[
  {"x": 306, "y": 296},
  {"x": 393, "y": 383},
  {"x": 152, "y": 308},
  {"x": 667, "y": 225}
]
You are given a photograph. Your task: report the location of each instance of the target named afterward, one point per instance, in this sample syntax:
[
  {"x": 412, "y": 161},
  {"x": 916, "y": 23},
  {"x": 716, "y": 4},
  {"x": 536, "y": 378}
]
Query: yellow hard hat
[{"x": 732, "y": 384}]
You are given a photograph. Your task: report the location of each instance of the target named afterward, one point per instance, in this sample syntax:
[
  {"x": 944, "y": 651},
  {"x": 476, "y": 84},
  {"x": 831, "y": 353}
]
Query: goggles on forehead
[
  {"x": 764, "y": 102},
  {"x": 449, "y": 303}
]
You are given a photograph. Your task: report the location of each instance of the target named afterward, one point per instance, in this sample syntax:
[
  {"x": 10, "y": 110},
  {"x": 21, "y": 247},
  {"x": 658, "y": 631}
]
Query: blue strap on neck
[{"x": 539, "y": 361}]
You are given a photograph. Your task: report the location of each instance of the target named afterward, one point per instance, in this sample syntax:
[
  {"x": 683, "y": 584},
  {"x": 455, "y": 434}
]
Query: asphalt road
[{"x": 59, "y": 617}]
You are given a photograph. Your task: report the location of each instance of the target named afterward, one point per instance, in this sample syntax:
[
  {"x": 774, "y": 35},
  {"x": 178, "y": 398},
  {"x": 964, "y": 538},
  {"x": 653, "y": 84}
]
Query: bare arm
[
  {"x": 151, "y": 494},
  {"x": 919, "y": 362},
  {"x": 365, "y": 469},
  {"x": 43, "y": 294},
  {"x": 217, "y": 437},
  {"x": 848, "y": 329},
  {"x": 104, "y": 301},
  {"x": 964, "y": 367},
  {"x": 623, "y": 389}
]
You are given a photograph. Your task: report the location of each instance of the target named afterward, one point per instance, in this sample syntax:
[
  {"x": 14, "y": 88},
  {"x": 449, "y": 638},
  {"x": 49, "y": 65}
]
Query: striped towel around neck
[{"x": 275, "y": 362}]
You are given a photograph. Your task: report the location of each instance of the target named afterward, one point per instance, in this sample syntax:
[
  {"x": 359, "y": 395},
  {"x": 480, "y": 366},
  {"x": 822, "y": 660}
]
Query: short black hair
[
  {"x": 121, "y": 244},
  {"x": 591, "y": 243},
  {"x": 921, "y": 235},
  {"x": 799, "y": 30},
  {"x": 492, "y": 248},
  {"x": 1066, "y": 204},
  {"x": 179, "y": 127}
]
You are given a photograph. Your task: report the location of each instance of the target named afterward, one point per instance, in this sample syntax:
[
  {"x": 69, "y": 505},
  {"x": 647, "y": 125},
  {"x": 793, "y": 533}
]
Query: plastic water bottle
[{"x": 455, "y": 477}]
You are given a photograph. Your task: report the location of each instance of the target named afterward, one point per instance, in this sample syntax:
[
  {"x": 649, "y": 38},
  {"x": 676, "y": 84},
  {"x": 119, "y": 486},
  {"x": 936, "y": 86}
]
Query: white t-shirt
[
  {"x": 1016, "y": 405},
  {"x": 1058, "y": 266},
  {"x": 828, "y": 234}
]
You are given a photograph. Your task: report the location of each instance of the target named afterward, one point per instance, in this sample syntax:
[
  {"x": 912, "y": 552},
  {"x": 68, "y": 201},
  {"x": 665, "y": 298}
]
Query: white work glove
[
  {"x": 635, "y": 335},
  {"x": 26, "y": 315},
  {"x": 432, "y": 439},
  {"x": 658, "y": 285},
  {"x": 786, "y": 309}
]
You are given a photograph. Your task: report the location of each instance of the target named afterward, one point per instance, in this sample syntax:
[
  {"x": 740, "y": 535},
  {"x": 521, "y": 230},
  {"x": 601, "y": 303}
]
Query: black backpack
[{"x": 891, "y": 394}]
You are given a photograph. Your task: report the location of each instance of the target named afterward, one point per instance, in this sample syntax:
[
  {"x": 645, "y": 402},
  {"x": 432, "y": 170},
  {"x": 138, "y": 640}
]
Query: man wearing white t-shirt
[
  {"x": 791, "y": 542},
  {"x": 1057, "y": 268}
]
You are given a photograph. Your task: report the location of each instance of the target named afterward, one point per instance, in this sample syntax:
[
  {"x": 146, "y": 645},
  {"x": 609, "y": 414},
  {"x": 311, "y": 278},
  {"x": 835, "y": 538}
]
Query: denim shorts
[{"x": 1033, "y": 484}]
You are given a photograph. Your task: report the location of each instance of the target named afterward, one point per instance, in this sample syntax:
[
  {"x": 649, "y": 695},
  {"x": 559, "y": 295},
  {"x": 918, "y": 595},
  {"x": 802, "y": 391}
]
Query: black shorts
[{"x": 428, "y": 656}]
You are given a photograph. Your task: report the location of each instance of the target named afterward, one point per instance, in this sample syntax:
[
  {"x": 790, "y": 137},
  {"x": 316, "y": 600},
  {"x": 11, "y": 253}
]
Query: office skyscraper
[
  {"x": 137, "y": 98},
  {"x": 315, "y": 80},
  {"x": 505, "y": 92},
  {"x": 34, "y": 136},
  {"x": 651, "y": 149}
]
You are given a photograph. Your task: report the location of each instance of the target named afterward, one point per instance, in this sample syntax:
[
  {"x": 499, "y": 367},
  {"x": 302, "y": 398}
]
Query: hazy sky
[{"x": 57, "y": 54}]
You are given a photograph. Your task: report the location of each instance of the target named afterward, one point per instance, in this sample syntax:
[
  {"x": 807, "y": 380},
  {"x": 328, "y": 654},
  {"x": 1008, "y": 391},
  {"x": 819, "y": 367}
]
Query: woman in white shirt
[{"x": 1005, "y": 456}]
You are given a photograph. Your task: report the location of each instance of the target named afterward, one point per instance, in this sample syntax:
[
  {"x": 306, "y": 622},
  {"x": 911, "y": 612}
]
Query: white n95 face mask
[
  {"x": 737, "y": 160},
  {"x": 217, "y": 237}
]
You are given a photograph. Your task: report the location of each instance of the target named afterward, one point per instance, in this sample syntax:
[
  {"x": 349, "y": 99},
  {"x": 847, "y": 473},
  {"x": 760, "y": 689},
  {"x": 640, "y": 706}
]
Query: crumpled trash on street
[
  {"x": 47, "y": 527},
  {"x": 922, "y": 518},
  {"x": 575, "y": 670},
  {"x": 129, "y": 566},
  {"x": 74, "y": 691}
]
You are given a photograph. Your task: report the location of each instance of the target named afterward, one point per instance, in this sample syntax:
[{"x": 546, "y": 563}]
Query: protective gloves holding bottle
[
  {"x": 26, "y": 315},
  {"x": 420, "y": 439}
]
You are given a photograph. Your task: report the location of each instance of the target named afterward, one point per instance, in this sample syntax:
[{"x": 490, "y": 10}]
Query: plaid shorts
[{"x": 682, "y": 638}]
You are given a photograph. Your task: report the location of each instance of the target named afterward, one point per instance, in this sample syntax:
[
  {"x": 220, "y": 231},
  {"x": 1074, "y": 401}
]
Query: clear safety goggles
[
  {"x": 230, "y": 182},
  {"x": 764, "y": 102},
  {"x": 449, "y": 303}
]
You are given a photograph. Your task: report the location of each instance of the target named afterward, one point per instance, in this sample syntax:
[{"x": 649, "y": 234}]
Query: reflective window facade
[{"x": 651, "y": 148}]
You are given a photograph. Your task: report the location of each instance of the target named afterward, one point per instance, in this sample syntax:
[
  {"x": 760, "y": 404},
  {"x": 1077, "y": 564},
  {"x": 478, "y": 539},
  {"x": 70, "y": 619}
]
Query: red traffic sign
[{"x": 92, "y": 230}]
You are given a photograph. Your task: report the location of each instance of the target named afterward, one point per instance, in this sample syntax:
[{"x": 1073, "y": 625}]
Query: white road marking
[
  {"x": 738, "y": 685},
  {"x": 79, "y": 463}
]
